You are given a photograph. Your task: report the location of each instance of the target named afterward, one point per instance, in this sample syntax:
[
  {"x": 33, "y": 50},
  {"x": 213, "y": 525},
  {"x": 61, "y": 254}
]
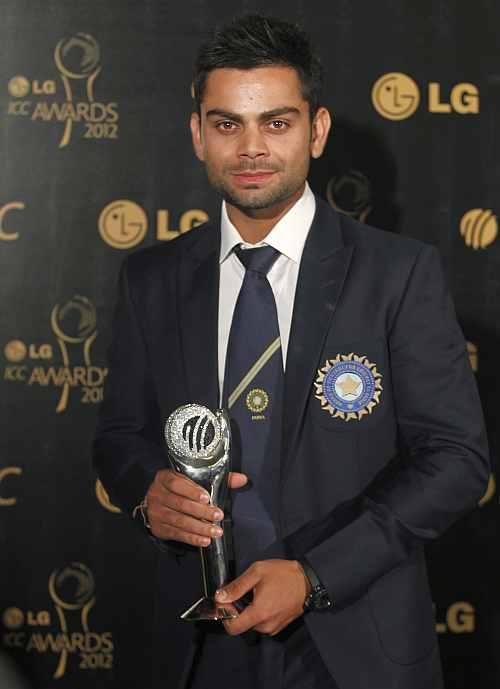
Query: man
[{"x": 357, "y": 426}]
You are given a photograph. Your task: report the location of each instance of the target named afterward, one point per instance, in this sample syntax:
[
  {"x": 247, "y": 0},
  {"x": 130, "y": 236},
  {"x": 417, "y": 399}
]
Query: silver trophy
[{"x": 198, "y": 443}]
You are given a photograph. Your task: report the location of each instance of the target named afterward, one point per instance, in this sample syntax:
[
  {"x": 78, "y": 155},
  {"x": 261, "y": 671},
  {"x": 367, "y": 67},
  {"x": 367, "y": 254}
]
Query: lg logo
[{"x": 396, "y": 96}]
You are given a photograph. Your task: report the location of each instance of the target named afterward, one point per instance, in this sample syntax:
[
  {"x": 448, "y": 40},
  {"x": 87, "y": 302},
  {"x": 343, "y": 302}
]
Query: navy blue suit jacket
[{"x": 361, "y": 498}]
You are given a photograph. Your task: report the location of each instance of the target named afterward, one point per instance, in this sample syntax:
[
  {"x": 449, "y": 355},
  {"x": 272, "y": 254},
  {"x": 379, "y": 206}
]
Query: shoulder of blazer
[
  {"x": 160, "y": 257},
  {"x": 365, "y": 236}
]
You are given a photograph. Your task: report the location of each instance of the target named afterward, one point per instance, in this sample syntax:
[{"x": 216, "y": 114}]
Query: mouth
[{"x": 251, "y": 178}]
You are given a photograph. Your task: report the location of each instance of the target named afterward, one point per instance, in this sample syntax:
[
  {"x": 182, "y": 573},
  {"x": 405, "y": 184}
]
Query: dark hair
[{"x": 255, "y": 41}]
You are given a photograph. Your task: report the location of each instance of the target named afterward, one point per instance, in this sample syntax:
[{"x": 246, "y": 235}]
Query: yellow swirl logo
[
  {"x": 103, "y": 498},
  {"x": 77, "y": 58},
  {"x": 350, "y": 194},
  {"x": 123, "y": 224},
  {"x": 71, "y": 588},
  {"x": 490, "y": 491},
  {"x": 479, "y": 228},
  {"x": 473, "y": 356},
  {"x": 395, "y": 96}
]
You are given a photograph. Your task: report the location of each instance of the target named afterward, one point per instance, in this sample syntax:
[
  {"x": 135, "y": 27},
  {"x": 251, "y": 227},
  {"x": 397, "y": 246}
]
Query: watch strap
[{"x": 318, "y": 598}]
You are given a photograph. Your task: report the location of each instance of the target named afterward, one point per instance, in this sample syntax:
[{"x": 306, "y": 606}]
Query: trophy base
[{"x": 207, "y": 609}]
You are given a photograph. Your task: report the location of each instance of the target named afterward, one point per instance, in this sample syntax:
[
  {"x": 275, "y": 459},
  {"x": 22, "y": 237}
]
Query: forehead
[{"x": 253, "y": 90}]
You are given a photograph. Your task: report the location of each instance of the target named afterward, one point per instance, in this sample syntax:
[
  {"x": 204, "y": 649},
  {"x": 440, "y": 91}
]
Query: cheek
[{"x": 216, "y": 153}]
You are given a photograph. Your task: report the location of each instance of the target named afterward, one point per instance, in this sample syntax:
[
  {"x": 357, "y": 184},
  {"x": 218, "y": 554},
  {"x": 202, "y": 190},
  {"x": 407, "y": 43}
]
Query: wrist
[
  {"x": 306, "y": 579},
  {"x": 142, "y": 509},
  {"x": 317, "y": 598}
]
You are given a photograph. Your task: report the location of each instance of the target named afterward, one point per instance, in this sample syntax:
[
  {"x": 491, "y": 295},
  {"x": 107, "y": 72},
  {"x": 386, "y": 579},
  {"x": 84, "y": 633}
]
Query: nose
[{"x": 252, "y": 143}]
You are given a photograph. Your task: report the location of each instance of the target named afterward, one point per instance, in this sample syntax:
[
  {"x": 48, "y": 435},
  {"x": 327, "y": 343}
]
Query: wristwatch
[{"x": 318, "y": 598}]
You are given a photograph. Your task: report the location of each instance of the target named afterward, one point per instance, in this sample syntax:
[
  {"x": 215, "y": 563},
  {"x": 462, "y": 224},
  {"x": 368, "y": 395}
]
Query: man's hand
[
  {"x": 179, "y": 510},
  {"x": 279, "y": 590}
]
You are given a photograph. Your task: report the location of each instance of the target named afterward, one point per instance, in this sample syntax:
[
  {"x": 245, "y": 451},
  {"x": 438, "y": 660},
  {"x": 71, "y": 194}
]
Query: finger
[
  {"x": 271, "y": 626},
  {"x": 244, "y": 622},
  {"x": 167, "y": 517},
  {"x": 184, "y": 506},
  {"x": 171, "y": 533},
  {"x": 237, "y": 480},
  {"x": 183, "y": 486},
  {"x": 237, "y": 588}
]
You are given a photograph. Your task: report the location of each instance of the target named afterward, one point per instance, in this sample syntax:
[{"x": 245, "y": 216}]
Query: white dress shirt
[{"x": 288, "y": 236}]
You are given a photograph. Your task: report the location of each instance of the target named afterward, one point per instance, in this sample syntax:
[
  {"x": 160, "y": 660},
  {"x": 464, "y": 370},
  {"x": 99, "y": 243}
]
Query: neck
[{"x": 255, "y": 224}]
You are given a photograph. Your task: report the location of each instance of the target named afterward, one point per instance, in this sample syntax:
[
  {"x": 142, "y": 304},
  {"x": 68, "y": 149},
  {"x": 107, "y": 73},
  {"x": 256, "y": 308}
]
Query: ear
[
  {"x": 319, "y": 131},
  {"x": 195, "y": 125}
]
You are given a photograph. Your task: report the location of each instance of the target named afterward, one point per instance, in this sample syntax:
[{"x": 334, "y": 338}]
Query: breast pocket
[{"x": 352, "y": 390}]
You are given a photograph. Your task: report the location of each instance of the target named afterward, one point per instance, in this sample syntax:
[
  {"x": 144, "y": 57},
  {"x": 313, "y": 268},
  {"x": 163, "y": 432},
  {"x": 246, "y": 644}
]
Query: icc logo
[
  {"x": 123, "y": 224},
  {"x": 479, "y": 228},
  {"x": 77, "y": 59},
  {"x": 4, "y": 233},
  {"x": 396, "y": 96},
  {"x": 350, "y": 194},
  {"x": 9, "y": 471},
  {"x": 72, "y": 590}
]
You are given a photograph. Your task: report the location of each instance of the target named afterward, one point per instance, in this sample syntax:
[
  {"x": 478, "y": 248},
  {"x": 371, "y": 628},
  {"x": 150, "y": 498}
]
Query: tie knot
[{"x": 258, "y": 260}]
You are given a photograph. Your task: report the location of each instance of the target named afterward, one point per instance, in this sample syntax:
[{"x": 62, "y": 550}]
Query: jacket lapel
[
  {"x": 324, "y": 265},
  {"x": 198, "y": 308}
]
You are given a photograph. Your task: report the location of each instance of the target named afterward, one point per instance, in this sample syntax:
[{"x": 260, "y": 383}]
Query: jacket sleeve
[
  {"x": 443, "y": 468},
  {"x": 125, "y": 457}
]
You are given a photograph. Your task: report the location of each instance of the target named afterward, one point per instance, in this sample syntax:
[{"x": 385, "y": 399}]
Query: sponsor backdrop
[{"x": 95, "y": 163}]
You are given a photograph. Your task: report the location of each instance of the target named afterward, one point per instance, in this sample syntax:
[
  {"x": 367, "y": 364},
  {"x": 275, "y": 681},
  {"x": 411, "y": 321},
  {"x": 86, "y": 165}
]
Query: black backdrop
[{"x": 96, "y": 162}]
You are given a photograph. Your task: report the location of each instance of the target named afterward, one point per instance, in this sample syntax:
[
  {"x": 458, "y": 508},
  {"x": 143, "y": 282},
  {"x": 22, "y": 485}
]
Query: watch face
[{"x": 318, "y": 599}]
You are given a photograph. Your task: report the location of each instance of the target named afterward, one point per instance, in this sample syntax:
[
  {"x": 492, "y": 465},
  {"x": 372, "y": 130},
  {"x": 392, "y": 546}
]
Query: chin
[{"x": 255, "y": 200}]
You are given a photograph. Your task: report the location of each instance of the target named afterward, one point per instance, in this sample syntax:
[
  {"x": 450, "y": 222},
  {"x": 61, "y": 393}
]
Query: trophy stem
[{"x": 215, "y": 575}]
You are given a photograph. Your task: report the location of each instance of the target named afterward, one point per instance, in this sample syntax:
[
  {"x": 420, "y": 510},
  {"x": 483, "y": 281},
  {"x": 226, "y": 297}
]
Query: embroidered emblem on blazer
[{"x": 348, "y": 387}]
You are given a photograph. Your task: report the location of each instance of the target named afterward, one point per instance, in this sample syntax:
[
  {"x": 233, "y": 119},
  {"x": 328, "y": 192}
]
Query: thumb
[
  {"x": 237, "y": 588},
  {"x": 237, "y": 480}
]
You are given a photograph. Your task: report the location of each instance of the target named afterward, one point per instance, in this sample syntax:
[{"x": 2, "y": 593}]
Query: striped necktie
[{"x": 253, "y": 385}]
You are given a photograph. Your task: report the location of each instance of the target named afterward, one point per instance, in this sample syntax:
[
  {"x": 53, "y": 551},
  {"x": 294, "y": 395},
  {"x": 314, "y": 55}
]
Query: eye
[
  {"x": 226, "y": 126},
  {"x": 278, "y": 125}
]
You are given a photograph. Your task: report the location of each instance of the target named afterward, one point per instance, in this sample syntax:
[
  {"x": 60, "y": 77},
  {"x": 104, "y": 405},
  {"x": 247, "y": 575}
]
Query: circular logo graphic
[
  {"x": 103, "y": 498},
  {"x": 19, "y": 87},
  {"x": 192, "y": 432},
  {"x": 71, "y": 587},
  {"x": 77, "y": 57},
  {"x": 350, "y": 193},
  {"x": 74, "y": 322},
  {"x": 479, "y": 228},
  {"x": 123, "y": 224},
  {"x": 257, "y": 400},
  {"x": 15, "y": 351},
  {"x": 395, "y": 96},
  {"x": 348, "y": 386},
  {"x": 13, "y": 618}
]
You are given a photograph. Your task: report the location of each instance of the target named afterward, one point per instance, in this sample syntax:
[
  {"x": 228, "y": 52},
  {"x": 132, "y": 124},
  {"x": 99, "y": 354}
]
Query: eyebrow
[{"x": 276, "y": 112}]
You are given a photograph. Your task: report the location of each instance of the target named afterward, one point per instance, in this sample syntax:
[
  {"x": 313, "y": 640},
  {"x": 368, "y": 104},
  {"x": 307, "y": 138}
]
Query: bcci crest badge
[{"x": 348, "y": 386}]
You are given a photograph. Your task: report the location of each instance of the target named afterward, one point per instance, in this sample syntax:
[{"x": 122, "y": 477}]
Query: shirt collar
[{"x": 288, "y": 236}]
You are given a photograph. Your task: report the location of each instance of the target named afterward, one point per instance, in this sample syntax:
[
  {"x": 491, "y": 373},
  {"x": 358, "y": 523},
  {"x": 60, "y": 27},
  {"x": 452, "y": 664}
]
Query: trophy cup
[{"x": 198, "y": 443}]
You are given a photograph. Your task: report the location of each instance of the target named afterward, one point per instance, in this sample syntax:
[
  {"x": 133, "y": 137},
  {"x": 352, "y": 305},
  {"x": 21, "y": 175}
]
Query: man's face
[{"x": 255, "y": 135}]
